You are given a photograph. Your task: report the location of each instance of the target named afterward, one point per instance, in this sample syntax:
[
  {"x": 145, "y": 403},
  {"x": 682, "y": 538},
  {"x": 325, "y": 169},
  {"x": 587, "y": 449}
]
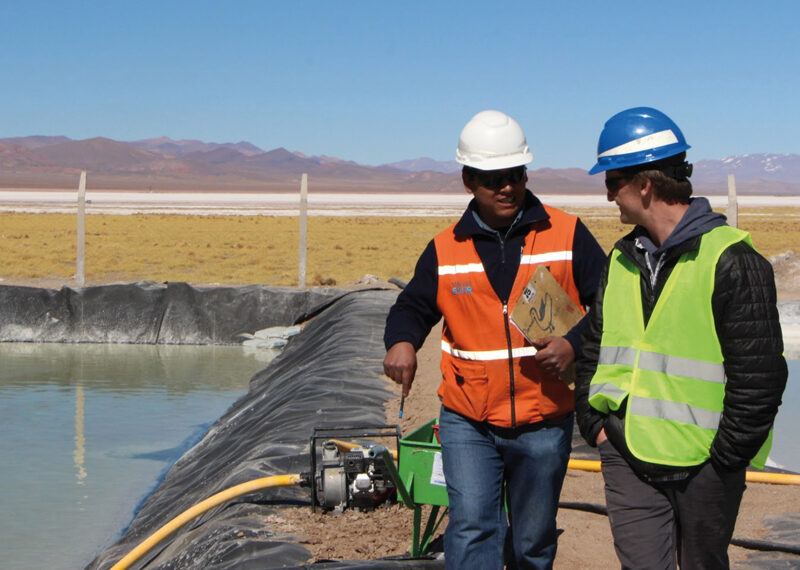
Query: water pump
[{"x": 352, "y": 475}]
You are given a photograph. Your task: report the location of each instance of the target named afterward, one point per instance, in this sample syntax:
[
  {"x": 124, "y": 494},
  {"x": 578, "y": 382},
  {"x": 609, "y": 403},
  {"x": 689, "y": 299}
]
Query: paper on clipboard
[{"x": 544, "y": 309}]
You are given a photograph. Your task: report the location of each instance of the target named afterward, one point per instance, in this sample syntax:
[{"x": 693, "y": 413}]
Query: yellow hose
[
  {"x": 583, "y": 465},
  {"x": 200, "y": 508},
  {"x": 750, "y": 476},
  {"x": 775, "y": 478}
]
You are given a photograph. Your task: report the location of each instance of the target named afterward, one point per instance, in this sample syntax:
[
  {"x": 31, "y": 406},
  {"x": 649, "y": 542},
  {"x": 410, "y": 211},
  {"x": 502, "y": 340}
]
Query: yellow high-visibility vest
[{"x": 670, "y": 371}]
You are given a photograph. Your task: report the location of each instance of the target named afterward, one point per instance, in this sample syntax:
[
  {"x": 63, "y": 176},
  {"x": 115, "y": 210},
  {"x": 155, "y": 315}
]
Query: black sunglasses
[
  {"x": 614, "y": 183},
  {"x": 497, "y": 179}
]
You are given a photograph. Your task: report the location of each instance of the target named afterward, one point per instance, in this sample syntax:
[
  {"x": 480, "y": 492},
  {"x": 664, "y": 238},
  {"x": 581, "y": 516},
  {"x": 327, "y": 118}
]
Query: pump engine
[{"x": 356, "y": 478}]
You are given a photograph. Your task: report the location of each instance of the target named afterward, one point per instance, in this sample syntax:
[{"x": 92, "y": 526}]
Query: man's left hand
[{"x": 554, "y": 353}]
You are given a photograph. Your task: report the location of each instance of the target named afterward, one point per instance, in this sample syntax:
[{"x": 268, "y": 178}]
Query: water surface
[{"x": 89, "y": 430}]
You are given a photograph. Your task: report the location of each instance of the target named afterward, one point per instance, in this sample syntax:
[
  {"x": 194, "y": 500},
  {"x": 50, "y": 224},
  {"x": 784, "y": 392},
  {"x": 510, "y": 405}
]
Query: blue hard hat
[{"x": 637, "y": 136}]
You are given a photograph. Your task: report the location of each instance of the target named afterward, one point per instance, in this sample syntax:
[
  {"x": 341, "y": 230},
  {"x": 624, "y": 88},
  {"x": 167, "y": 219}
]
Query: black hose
[
  {"x": 396, "y": 281},
  {"x": 765, "y": 545},
  {"x": 748, "y": 543},
  {"x": 588, "y": 507}
]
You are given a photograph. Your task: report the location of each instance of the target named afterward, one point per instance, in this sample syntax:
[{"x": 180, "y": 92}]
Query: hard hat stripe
[{"x": 654, "y": 140}]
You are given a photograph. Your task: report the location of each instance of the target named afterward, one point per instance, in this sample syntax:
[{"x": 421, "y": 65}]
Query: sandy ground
[{"x": 585, "y": 541}]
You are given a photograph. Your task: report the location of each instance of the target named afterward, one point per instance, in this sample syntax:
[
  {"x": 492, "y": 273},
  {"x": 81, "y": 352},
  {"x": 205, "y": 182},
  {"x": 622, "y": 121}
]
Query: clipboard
[{"x": 544, "y": 309}]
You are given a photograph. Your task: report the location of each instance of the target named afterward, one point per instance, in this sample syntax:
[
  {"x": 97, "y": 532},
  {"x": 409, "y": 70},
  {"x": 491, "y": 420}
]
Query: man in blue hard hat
[{"x": 681, "y": 372}]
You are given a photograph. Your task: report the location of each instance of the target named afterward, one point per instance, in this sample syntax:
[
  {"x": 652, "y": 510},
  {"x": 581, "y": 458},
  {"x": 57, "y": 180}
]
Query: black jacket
[
  {"x": 748, "y": 327},
  {"x": 415, "y": 312}
]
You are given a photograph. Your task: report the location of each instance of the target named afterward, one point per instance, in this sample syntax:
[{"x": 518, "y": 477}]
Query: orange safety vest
[{"x": 488, "y": 370}]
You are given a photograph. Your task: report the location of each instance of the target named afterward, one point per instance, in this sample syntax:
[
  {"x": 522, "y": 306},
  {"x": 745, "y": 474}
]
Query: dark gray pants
[{"x": 651, "y": 522}]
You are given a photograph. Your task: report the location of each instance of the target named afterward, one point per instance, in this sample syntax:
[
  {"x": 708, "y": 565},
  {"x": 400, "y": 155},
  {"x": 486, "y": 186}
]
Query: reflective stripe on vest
[
  {"x": 461, "y": 269},
  {"x": 525, "y": 260},
  {"x": 670, "y": 365},
  {"x": 671, "y": 372},
  {"x": 546, "y": 257},
  {"x": 486, "y": 355},
  {"x": 676, "y": 412}
]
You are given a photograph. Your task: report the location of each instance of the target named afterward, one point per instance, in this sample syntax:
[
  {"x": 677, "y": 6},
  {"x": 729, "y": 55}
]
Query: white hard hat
[{"x": 492, "y": 140}]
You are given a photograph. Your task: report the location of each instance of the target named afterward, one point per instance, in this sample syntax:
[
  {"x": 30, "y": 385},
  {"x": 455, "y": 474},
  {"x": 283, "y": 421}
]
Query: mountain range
[{"x": 166, "y": 164}]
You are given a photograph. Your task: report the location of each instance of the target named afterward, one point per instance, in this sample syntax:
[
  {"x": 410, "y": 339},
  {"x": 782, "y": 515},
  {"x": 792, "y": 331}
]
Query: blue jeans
[{"x": 480, "y": 461}]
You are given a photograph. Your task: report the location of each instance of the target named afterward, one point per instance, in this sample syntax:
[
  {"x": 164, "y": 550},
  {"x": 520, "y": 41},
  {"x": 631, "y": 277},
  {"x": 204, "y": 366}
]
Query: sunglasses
[
  {"x": 614, "y": 183},
  {"x": 497, "y": 179}
]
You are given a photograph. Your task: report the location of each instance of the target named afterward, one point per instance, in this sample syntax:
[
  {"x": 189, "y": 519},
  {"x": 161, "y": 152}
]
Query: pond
[{"x": 88, "y": 432}]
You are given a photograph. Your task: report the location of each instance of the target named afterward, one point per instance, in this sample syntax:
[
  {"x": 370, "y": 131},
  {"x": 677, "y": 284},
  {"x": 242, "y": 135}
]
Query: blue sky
[{"x": 378, "y": 82}]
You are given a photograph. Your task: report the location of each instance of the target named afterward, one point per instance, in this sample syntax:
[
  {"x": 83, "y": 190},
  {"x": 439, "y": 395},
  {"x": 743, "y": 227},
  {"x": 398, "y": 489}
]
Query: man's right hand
[
  {"x": 400, "y": 364},
  {"x": 601, "y": 437}
]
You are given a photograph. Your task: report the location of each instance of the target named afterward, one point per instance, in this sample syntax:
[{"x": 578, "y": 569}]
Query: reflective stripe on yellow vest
[{"x": 671, "y": 371}]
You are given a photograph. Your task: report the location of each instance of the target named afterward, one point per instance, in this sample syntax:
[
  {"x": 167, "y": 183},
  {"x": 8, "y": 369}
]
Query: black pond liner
[{"x": 150, "y": 313}]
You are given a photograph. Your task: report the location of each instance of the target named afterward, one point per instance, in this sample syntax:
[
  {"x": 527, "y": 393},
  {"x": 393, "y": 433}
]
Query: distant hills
[{"x": 166, "y": 164}]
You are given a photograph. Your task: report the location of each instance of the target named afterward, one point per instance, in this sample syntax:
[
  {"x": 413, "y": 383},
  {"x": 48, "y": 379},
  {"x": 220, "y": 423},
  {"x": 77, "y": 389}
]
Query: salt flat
[{"x": 287, "y": 204}]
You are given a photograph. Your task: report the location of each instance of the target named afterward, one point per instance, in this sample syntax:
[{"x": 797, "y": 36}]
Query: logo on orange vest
[{"x": 462, "y": 287}]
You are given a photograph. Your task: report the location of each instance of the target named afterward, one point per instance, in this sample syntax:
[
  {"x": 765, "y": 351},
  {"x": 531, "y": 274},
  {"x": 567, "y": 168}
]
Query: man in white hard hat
[
  {"x": 506, "y": 419},
  {"x": 681, "y": 372}
]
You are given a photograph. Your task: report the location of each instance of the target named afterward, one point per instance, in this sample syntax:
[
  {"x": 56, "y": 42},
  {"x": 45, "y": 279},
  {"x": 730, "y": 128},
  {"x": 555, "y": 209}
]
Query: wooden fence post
[
  {"x": 733, "y": 203},
  {"x": 301, "y": 272},
  {"x": 80, "y": 255}
]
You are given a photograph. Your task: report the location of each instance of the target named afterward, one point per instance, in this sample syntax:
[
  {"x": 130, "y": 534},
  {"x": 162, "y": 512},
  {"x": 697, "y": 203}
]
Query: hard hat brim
[{"x": 495, "y": 162}]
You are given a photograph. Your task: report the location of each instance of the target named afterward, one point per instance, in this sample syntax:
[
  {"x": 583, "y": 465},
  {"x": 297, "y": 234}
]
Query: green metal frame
[
  {"x": 420, "y": 544},
  {"x": 412, "y": 477},
  {"x": 419, "y": 541}
]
